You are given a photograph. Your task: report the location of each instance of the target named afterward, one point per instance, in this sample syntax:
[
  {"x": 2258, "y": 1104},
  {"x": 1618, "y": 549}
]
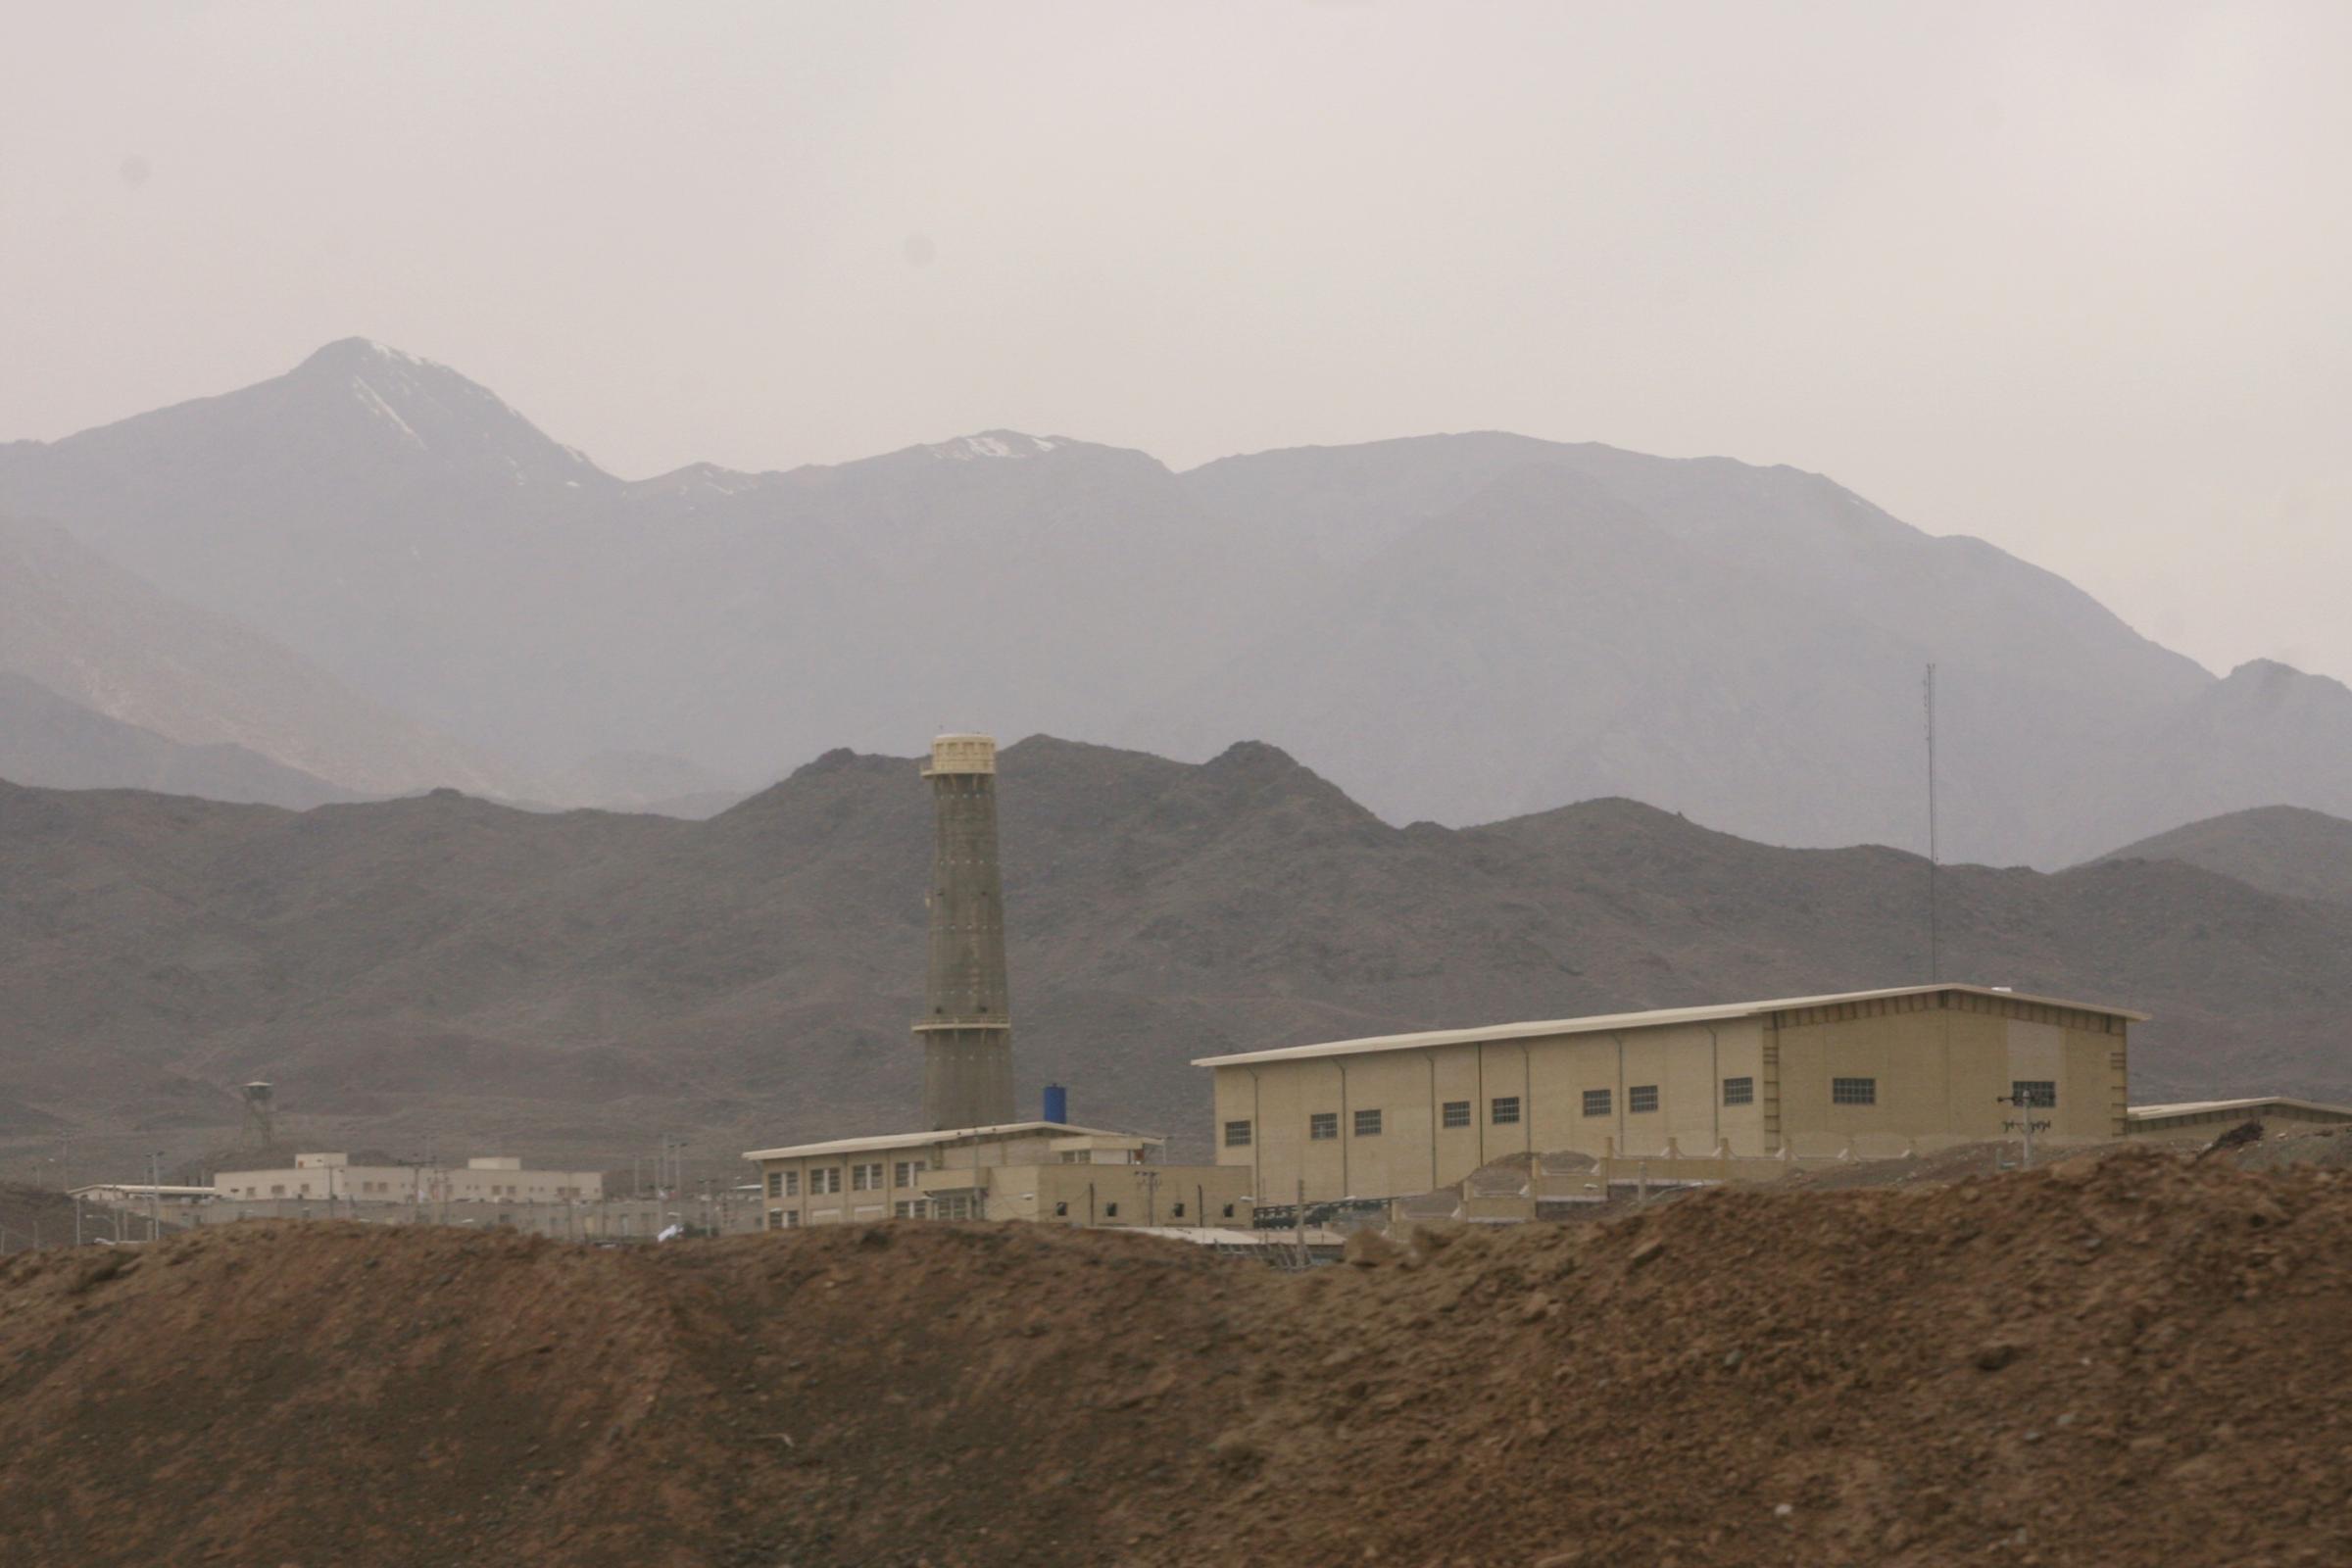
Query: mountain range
[
  {"x": 569, "y": 984},
  {"x": 1459, "y": 628}
]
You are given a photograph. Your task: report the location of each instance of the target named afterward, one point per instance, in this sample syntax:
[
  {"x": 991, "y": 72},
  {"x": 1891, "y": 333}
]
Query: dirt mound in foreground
[{"x": 2128, "y": 1362}]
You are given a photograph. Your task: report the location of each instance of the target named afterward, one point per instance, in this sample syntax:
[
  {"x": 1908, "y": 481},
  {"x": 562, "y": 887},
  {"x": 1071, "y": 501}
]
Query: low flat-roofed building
[
  {"x": 333, "y": 1178},
  {"x": 2205, "y": 1120},
  {"x": 1051, "y": 1172},
  {"x": 1871, "y": 1074}
]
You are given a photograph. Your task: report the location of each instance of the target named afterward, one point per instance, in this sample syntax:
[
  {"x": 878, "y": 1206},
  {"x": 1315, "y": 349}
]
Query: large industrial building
[
  {"x": 976, "y": 1161},
  {"x": 1863, "y": 1075}
]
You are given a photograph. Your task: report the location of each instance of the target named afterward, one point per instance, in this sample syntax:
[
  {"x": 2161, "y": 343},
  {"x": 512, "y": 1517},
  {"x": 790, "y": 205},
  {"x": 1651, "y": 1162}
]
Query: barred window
[
  {"x": 776, "y": 1184},
  {"x": 1504, "y": 1111},
  {"x": 1323, "y": 1124},
  {"x": 1596, "y": 1101},
  {"x": 1739, "y": 1091},
  {"x": 792, "y": 1185},
  {"x": 1853, "y": 1090},
  {"x": 2039, "y": 1092},
  {"x": 825, "y": 1179},
  {"x": 1642, "y": 1097},
  {"x": 1457, "y": 1114},
  {"x": 1237, "y": 1135},
  {"x": 1367, "y": 1124},
  {"x": 866, "y": 1178}
]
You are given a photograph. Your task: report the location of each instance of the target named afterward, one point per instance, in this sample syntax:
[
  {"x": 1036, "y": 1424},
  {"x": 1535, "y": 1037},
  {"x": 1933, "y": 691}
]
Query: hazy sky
[{"x": 2074, "y": 279}]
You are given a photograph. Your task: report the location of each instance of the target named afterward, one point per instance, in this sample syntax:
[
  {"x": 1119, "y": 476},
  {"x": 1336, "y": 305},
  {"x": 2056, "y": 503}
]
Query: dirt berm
[{"x": 2120, "y": 1363}]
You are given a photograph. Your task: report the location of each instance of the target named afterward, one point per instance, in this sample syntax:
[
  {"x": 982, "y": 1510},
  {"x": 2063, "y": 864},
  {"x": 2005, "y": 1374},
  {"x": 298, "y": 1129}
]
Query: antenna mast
[{"x": 1935, "y": 969}]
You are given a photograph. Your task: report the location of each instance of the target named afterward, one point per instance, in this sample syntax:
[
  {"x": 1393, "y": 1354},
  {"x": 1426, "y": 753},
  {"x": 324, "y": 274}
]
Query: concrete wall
[{"x": 1937, "y": 1064}]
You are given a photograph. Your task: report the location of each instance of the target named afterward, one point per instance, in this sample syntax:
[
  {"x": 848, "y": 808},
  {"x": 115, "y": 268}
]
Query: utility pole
[
  {"x": 2025, "y": 1103},
  {"x": 1935, "y": 955}
]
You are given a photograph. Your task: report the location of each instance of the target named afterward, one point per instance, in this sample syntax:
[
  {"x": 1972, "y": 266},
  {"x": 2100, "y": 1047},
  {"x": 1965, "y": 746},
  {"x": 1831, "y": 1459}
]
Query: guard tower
[
  {"x": 966, "y": 1027},
  {"x": 261, "y": 1115}
]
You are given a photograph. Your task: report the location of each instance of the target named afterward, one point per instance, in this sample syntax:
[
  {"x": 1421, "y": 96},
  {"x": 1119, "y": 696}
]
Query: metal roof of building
[
  {"x": 945, "y": 1135},
  {"x": 2202, "y": 1108},
  {"x": 1603, "y": 1023}
]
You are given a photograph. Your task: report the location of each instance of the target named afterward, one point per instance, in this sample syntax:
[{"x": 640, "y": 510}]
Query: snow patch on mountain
[
  {"x": 991, "y": 444},
  {"x": 373, "y": 402}
]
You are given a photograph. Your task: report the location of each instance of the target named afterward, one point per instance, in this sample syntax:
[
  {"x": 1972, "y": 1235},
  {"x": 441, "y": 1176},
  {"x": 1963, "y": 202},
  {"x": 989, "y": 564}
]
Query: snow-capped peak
[{"x": 991, "y": 444}]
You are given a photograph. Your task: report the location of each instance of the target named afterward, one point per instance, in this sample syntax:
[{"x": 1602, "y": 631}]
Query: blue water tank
[{"x": 1057, "y": 1104}]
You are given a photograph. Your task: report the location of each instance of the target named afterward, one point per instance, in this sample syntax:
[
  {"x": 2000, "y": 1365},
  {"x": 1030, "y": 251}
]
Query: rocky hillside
[
  {"x": 2133, "y": 1364},
  {"x": 46, "y": 740},
  {"x": 559, "y": 983},
  {"x": 2281, "y": 849},
  {"x": 1456, "y": 627}
]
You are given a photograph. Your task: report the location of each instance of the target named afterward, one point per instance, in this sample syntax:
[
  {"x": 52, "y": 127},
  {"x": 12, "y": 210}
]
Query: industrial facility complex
[
  {"x": 976, "y": 1161},
  {"x": 1499, "y": 1122},
  {"x": 1563, "y": 1109}
]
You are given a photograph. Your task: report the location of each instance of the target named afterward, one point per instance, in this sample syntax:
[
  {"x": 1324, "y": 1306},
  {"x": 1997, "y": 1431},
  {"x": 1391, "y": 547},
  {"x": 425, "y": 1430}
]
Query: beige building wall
[
  {"x": 1046, "y": 1174},
  {"x": 1935, "y": 1066}
]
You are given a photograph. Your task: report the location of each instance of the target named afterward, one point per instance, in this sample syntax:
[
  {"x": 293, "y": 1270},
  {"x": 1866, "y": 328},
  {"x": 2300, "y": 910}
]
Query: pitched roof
[
  {"x": 943, "y": 1134},
  {"x": 1602, "y": 1023}
]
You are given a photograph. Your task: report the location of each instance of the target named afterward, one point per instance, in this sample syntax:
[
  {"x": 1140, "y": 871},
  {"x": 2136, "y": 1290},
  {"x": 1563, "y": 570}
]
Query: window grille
[
  {"x": 1642, "y": 1097},
  {"x": 1367, "y": 1124},
  {"x": 1457, "y": 1114},
  {"x": 1504, "y": 1111},
  {"x": 1237, "y": 1135},
  {"x": 1853, "y": 1090},
  {"x": 1323, "y": 1124},
  {"x": 1739, "y": 1091},
  {"x": 1596, "y": 1101}
]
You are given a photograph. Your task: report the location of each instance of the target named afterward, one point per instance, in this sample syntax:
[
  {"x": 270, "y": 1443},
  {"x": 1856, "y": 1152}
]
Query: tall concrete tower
[{"x": 966, "y": 1027}]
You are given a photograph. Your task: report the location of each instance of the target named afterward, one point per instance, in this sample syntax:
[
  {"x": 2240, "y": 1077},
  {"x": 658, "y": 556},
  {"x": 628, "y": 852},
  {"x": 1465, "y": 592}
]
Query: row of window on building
[
  {"x": 958, "y": 1206},
  {"x": 1640, "y": 1100},
  {"x": 864, "y": 1178}
]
